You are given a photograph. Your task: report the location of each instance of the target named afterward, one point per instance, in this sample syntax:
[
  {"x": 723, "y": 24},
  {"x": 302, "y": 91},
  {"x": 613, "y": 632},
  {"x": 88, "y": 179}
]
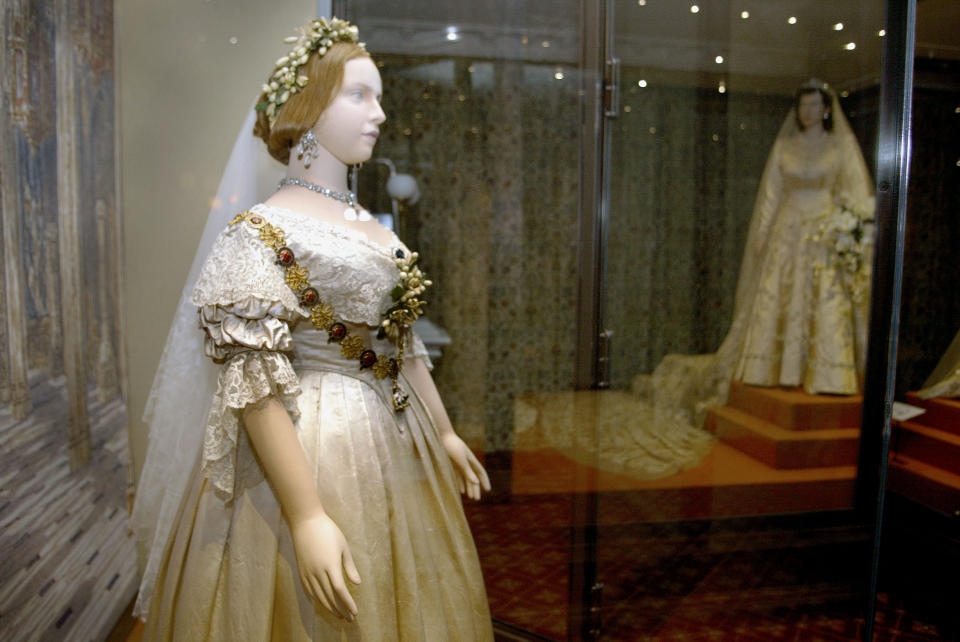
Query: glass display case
[{"x": 655, "y": 229}]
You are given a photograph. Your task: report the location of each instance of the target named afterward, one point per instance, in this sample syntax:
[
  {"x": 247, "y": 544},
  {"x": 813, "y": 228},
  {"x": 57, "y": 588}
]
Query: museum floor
[
  {"x": 741, "y": 579},
  {"x": 761, "y": 578}
]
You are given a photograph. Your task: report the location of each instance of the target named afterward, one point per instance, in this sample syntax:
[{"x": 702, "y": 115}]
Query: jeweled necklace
[{"x": 352, "y": 213}]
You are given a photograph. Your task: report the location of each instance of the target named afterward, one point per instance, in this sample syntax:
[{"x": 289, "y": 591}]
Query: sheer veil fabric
[
  {"x": 944, "y": 381},
  {"x": 185, "y": 381}
]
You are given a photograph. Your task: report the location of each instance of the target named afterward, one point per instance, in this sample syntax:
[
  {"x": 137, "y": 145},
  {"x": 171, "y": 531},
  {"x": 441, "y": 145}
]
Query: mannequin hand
[
  {"x": 471, "y": 476},
  {"x": 322, "y": 556}
]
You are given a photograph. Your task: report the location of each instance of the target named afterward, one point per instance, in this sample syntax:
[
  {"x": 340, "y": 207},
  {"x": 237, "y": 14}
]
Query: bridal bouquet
[{"x": 848, "y": 230}]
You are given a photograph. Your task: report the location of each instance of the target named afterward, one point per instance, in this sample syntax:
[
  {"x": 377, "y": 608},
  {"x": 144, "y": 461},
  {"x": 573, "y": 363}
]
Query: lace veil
[{"x": 185, "y": 380}]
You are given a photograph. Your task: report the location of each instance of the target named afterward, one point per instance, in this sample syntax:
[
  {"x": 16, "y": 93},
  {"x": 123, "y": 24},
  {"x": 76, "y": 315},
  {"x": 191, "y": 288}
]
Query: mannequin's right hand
[{"x": 322, "y": 557}]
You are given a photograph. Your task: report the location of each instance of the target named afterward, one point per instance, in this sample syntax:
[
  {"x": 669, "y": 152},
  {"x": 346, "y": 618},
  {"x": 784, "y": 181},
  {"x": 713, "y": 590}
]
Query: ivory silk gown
[
  {"x": 229, "y": 571},
  {"x": 805, "y": 326}
]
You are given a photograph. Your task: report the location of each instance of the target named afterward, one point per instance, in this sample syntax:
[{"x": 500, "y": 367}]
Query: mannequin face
[
  {"x": 349, "y": 126},
  {"x": 811, "y": 110}
]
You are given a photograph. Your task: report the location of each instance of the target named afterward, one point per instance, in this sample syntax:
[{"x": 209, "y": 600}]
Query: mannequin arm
[
  {"x": 322, "y": 551},
  {"x": 471, "y": 476}
]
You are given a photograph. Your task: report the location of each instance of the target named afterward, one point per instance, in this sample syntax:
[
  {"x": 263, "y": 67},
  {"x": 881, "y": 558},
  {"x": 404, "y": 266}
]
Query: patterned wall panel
[{"x": 67, "y": 561}]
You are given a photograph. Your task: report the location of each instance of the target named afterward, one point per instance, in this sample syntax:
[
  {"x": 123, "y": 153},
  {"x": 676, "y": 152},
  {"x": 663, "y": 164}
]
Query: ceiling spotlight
[
  {"x": 559, "y": 74},
  {"x": 718, "y": 60},
  {"x": 641, "y": 3},
  {"x": 838, "y": 26},
  {"x": 744, "y": 14},
  {"x": 722, "y": 87},
  {"x": 844, "y": 93},
  {"x": 453, "y": 34},
  {"x": 850, "y": 46},
  {"x": 545, "y": 44},
  {"x": 641, "y": 83},
  {"x": 694, "y": 9},
  {"x": 882, "y": 33},
  {"x": 792, "y": 20}
]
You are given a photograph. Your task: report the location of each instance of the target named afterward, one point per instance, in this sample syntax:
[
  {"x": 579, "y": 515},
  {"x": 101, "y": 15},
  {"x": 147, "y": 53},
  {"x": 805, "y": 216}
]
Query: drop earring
[{"x": 308, "y": 147}]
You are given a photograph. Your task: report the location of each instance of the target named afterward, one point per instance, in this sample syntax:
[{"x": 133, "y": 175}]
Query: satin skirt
[
  {"x": 805, "y": 328},
  {"x": 230, "y": 571}
]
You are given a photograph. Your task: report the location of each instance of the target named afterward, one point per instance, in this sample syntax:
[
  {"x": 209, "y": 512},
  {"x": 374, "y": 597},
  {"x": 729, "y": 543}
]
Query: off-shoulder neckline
[{"x": 339, "y": 230}]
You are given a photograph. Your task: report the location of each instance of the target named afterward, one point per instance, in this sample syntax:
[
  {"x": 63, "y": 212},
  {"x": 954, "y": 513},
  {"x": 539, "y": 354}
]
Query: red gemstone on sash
[
  {"x": 285, "y": 256},
  {"x": 337, "y": 332},
  {"x": 309, "y": 296},
  {"x": 368, "y": 358}
]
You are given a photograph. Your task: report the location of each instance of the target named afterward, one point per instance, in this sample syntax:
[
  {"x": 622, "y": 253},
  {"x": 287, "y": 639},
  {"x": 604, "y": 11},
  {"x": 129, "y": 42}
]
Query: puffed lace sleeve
[{"x": 246, "y": 310}]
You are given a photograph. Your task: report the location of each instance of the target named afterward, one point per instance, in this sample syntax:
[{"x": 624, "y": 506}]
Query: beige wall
[{"x": 185, "y": 88}]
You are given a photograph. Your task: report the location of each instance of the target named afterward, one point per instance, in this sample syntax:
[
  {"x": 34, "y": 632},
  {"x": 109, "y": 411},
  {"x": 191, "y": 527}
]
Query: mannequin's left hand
[{"x": 471, "y": 476}]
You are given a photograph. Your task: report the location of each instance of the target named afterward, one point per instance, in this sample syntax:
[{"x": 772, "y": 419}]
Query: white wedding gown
[{"x": 228, "y": 571}]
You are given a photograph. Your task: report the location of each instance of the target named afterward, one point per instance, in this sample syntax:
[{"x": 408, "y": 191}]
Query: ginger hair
[{"x": 303, "y": 109}]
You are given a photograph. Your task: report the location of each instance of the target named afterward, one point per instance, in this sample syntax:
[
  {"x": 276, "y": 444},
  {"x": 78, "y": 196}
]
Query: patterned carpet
[{"x": 782, "y": 578}]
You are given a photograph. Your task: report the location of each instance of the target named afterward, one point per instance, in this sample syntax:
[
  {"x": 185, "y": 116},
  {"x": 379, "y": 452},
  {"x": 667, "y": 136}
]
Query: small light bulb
[
  {"x": 722, "y": 87},
  {"x": 850, "y": 46},
  {"x": 882, "y": 33},
  {"x": 452, "y": 34},
  {"x": 641, "y": 83},
  {"x": 718, "y": 60},
  {"x": 545, "y": 44},
  {"x": 558, "y": 75},
  {"x": 838, "y": 26},
  {"x": 792, "y": 20},
  {"x": 642, "y": 3},
  {"x": 744, "y": 14},
  {"x": 694, "y": 9}
]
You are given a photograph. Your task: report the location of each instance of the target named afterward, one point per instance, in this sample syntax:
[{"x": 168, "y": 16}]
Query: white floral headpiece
[{"x": 319, "y": 35}]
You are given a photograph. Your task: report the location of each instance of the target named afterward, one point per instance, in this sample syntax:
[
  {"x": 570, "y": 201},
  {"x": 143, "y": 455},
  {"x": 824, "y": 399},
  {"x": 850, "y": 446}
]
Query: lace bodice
[
  {"x": 251, "y": 322},
  {"x": 352, "y": 274},
  {"x": 809, "y": 167}
]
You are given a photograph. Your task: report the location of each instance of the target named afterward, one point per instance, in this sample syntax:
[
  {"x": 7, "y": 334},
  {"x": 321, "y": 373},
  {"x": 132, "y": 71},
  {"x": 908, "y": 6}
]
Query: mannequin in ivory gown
[
  {"x": 805, "y": 271},
  {"x": 800, "y": 312},
  {"x": 323, "y": 502}
]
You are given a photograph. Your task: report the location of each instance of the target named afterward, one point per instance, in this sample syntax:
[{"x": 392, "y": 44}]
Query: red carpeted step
[
  {"x": 930, "y": 445},
  {"x": 941, "y": 413},
  {"x": 781, "y": 448},
  {"x": 929, "y": 485},
  {"x": 793, "y": 409}
]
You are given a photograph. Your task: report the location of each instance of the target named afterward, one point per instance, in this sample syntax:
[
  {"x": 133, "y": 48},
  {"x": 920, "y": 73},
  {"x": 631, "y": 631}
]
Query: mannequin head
[
  {"x": 303, "y": 109},
  {"x": 348, "y": 128},
  {"x": 812, "y": 105}
]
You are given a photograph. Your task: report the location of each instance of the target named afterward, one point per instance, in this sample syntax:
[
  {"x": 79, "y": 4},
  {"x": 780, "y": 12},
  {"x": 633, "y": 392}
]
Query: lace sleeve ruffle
[
  {"x": 246, "y": 310},
  {"x": 228, "y": 458}
]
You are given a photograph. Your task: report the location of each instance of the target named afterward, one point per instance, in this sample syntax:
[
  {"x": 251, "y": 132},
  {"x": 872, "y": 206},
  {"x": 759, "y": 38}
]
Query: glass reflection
[
  {"x": 737, "y": 288},
  {"x": 919, "y": 553}
]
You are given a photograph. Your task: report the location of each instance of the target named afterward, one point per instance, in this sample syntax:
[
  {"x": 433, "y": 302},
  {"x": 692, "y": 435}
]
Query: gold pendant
[{"x": 400, "y": 398}]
